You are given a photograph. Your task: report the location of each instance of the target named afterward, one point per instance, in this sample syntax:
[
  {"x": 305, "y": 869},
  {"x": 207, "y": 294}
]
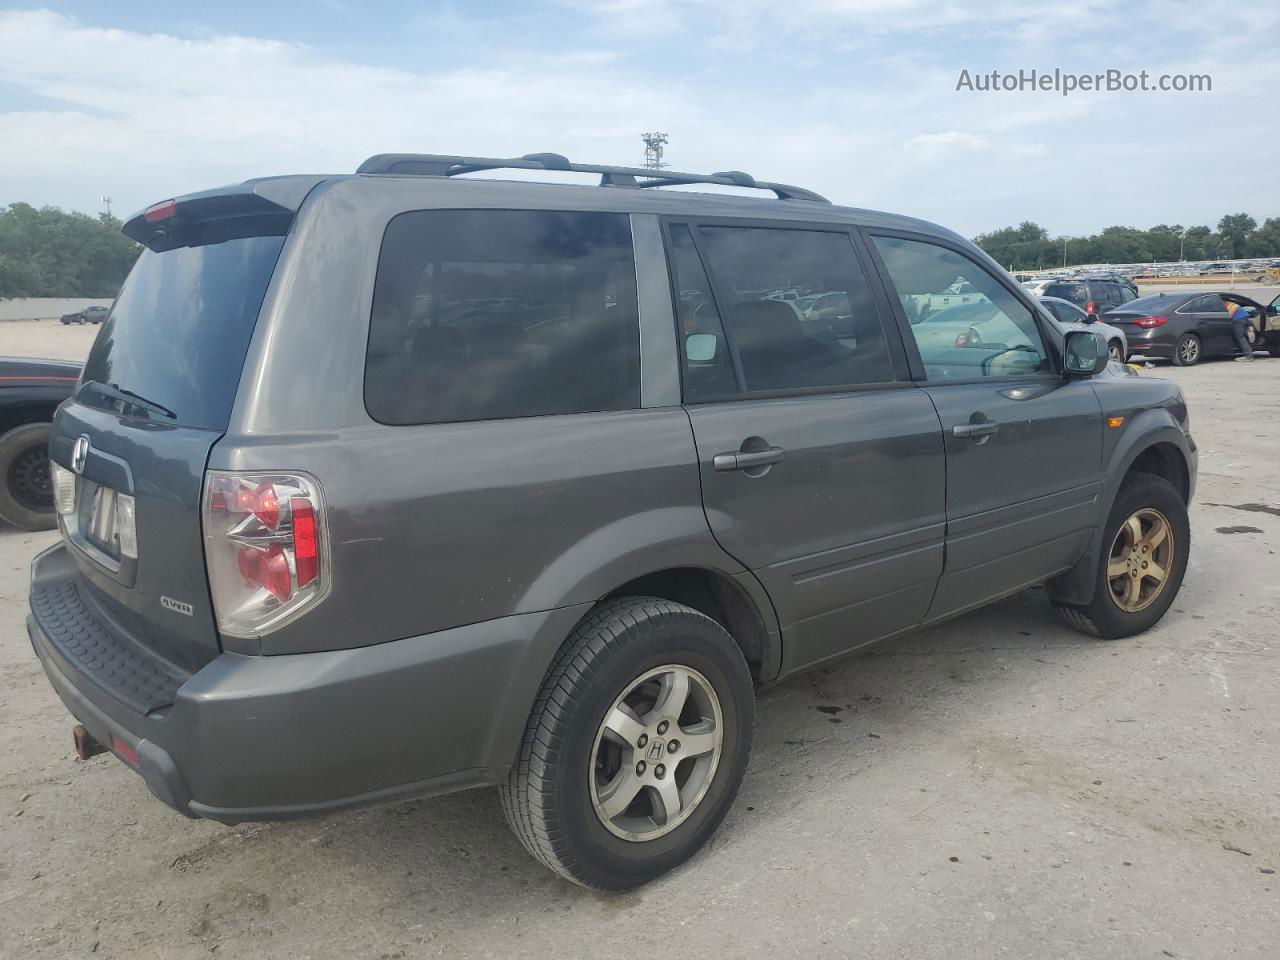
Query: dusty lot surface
[{"x": 998, "y": 787}]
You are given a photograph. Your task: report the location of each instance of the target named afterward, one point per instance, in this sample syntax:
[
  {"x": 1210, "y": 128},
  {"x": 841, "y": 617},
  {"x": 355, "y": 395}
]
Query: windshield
[{"x": 178, "y": 333}]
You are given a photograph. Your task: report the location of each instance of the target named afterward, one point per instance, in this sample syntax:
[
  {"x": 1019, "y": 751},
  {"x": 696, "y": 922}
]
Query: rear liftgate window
[
  {"x": 179, "y": 330},
  {"x": 490, "y": 314}
]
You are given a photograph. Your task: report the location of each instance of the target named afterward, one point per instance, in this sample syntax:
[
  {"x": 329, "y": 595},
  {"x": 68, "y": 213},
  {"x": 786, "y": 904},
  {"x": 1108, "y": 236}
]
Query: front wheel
[
  {"x": 636, "y": 745},
  {"x": 26, "y": 489},
  {"x": 1186, "y": 352},
  {"x": 1115, "y": 351},
  {"x": 1148, "y": 537}
]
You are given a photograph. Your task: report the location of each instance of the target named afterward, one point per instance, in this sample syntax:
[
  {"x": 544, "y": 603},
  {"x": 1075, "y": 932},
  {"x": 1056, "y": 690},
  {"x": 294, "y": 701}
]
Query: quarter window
[
  {"x": 992, "y": 335},
  {"x": 798, "y": 310},
  {"x": 487, "y": 314}
]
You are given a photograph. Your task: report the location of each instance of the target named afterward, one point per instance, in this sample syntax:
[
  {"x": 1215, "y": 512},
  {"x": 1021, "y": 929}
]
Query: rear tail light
[
  {"x": 1148, "y": 322},
  {"x": 264, "y": 543},
  {"x": 1090, "y": 307},
  {"x": 962, "y": 339}
]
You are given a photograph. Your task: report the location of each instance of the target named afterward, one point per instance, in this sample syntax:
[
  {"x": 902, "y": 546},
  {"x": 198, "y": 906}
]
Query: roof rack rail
[{"x": 444, "y": 165}]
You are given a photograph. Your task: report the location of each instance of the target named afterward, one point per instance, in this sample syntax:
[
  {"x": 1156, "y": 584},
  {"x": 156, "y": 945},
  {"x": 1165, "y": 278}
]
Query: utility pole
[
  {"x": 1064, "y": 251},
  {"x": 653, "y": 149}
]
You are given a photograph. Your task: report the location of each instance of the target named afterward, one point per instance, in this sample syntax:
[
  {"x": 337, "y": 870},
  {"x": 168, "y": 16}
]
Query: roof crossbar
[{"x": 444, "y": 165}]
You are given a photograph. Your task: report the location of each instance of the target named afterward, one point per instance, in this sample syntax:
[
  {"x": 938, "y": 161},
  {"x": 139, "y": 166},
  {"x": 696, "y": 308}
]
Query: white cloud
[{"x": 142, "y": 116}]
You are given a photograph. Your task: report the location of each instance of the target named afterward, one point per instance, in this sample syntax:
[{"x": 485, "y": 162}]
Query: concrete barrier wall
[{"x": 44, "y": 308}]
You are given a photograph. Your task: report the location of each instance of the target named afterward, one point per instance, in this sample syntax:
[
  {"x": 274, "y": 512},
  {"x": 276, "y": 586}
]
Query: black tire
[
  {"x": 1187, "y": 352},
  {"x": 1273, "y": 345},
  {"x": 1116, "y": 351},
  {"x": 546, "y": 799},
  {"x": 1102, "y": 617},
  {"x": 26, "y": 491}
]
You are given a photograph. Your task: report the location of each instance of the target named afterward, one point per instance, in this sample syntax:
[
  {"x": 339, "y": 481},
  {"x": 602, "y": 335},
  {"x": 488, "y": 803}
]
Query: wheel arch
[
  {"x": 1158, "y": 447},
  {"x": 736, "y": 602}
]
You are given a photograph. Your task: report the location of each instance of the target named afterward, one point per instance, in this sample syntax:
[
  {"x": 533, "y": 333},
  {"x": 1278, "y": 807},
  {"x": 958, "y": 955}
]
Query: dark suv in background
[
  {"x": 1094, "y": 295},
  {"x": 392, "y": 484}
]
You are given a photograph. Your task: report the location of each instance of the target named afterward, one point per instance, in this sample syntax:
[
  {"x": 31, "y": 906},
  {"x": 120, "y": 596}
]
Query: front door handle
[
  {"x": 745, "y": 460},
  {"x": 972, "y": 431}
]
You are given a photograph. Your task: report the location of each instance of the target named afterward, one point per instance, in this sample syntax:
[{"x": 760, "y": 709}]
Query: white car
[{"x": 1071, "y": 317}]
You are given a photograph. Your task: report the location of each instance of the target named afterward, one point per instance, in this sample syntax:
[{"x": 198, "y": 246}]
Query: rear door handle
[
  {"x": 973, "y": 430},
  {"x": 742, "y": 460}
]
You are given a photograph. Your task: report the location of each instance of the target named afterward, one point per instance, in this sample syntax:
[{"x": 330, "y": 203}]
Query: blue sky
[{"x": 854, "y": 98}]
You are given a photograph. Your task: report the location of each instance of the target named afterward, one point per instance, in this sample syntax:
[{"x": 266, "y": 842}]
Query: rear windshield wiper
[{"x": 116, "y": 392}]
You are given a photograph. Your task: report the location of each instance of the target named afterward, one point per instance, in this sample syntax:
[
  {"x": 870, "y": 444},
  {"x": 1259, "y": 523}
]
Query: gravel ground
[{"x": 996, "y": 787}]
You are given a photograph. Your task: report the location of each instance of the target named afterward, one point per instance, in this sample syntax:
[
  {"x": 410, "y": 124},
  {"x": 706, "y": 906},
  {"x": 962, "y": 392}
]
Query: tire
[
  {"x": 1105, "y": 615},
  {"x": 1187, "y": 351},
  {"x": 1116, "y": 351},
  {"x": 26, "y": 491},
  {"x": 1273, "y": 345},
  {"x": 566, "y": 747}
]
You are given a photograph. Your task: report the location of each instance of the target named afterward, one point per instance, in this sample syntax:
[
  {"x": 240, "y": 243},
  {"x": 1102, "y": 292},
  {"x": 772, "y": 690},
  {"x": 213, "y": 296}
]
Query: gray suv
[{"x": 390, "y": 484}]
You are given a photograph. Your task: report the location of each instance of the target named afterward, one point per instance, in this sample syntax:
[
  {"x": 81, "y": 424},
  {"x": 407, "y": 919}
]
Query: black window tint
[
  {"x": 489, "y": 314},
  {"x": 1209, "y": 304},
  {"x": 797, "y": 307},
  {"x": 993, "y": 335},
  {"x": 708, "y": 368},
  {"x": 1075, "y": 293},
  {"x": 179, "y": 330}
]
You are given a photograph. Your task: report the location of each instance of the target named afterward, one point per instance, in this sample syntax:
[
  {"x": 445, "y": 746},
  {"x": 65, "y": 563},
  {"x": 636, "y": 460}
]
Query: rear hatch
[{"x": 155, "y": 395}]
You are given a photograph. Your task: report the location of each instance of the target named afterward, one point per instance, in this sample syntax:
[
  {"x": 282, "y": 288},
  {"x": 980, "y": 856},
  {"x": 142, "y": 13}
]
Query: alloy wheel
[
  {"x": 656, "y": 752},
  {"x": 1141, "y": 560},
  {"x": 1189, "y": 350}
]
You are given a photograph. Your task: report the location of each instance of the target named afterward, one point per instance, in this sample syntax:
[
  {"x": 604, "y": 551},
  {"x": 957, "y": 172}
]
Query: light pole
[{"x": 1182, "y": 242}]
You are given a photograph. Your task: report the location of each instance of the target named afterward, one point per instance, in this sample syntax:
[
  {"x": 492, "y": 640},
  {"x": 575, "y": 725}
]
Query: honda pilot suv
[{"x": 384, "y": 485}]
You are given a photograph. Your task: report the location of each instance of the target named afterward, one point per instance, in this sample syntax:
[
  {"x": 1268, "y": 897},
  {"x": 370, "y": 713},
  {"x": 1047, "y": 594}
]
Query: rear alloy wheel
[
  {"x": 1148, "y": 536},
  {"x": 26, "y": 489},
  {"x": 635, "y": 747},
  {"x": 1115, "y": 351},
  {"x": 1186, "y": 352}
]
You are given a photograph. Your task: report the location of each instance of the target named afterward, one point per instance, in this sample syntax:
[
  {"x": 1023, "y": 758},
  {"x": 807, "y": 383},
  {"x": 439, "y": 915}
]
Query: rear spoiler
[{"x": 263, "y": 207}]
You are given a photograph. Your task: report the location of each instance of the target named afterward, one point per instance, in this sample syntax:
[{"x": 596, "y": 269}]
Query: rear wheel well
[
  {"x": 24, "y": 413},
  {"x": 714, "y": 594},
  {"x": 1165, "y": 460}
]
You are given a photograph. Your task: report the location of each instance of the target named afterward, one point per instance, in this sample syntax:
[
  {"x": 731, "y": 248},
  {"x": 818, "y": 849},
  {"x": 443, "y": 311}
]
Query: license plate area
[
  {"x": 91, "y": 529},
  {"x": 100, "y": 530}
]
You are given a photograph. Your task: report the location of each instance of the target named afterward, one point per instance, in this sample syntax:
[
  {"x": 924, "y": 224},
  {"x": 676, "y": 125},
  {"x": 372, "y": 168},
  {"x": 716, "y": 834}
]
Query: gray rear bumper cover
[{"x": 266, "y": 738}]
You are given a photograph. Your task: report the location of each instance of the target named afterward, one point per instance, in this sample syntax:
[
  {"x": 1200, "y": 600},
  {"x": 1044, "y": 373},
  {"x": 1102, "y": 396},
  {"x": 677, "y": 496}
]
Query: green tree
[
  {"x": 1235, "y": 229},
  {"x": 46, "y": 252}
]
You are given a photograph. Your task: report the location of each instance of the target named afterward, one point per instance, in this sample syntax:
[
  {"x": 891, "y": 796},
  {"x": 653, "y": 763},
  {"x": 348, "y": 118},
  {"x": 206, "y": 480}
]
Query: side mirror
[
  {"x": 700, "y": 347},
  {"x": 1085, "y": 353}
]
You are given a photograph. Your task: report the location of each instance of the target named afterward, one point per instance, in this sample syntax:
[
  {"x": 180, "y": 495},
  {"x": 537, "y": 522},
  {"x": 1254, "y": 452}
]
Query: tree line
[
  {"x": 1028, "y": 246},
  {"x": 46, "y": 252}
]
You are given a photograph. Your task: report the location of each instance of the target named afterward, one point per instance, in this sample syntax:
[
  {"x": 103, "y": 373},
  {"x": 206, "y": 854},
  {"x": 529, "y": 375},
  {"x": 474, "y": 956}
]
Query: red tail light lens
[
  {"x": 265, "y": 549},
  {"x": 1090, "y": 307},
  {"x": 962, "y": 339},
  {"x": 1148, "y": 322},
  {"x": 160, "y": 211}
]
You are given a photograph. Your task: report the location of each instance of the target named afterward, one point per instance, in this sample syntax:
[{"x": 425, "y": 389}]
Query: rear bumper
[{"x": 269, "y": 738}]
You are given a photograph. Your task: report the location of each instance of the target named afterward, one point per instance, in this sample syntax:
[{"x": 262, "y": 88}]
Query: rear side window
[
  {"x": 798, "y": 311},
  {"x": 491, "y": 314},
  {"x": 1075, "y": 293},
  {"x": 179, "y": 330}
]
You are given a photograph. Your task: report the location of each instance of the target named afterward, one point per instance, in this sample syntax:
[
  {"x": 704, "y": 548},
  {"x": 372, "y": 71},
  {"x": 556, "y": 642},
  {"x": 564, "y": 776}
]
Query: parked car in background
[
  {"x": 331, "y": 541},
  {"x": 1071, "y": 317},
  {"x": 94, "y": 314},
  {"x": 1093, "y": 295},
  {"x": 1188, "y": 327},
  {"x": 30, "y": 391}
]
